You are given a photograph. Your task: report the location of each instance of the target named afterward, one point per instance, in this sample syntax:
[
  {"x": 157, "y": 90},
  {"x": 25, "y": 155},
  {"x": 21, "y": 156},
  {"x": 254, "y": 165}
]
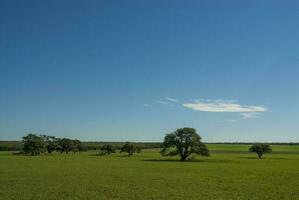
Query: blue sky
[{"x": 135, "y": 70}]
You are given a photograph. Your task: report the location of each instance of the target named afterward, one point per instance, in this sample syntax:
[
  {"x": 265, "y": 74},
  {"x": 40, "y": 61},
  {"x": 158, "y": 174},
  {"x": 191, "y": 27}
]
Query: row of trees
[
  {"x": 128, "y": 147},
  {"x": 38, "y": 144},
  {"x": 18, "y": 145},
  {"x": 184, "y": 142}
]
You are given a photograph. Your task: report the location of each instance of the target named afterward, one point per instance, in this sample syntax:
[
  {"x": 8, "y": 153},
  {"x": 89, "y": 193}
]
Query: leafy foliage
[
  {"x": 184, "y": 142},
  {"x": 130, "y": 148},
  {"x": 94, "y": 145},
  {"x": 107, "y": 149},
  {"x": 34, "y": 145},
  {"x": 260, "y": 149},
  {"x": 66, "y": 145},
  {"x": 51, "y": 143},
  {"x": 38, "y": 144}
]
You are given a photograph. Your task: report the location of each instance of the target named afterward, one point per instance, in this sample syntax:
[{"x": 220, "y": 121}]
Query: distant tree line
[
  {"x": 184, "y": 143},
  {"x": 18, "y": 145},
  {"x": 11, "y": 145},
  {"x": 119, "y": 145},
  {"x": 39, "y": 144}
]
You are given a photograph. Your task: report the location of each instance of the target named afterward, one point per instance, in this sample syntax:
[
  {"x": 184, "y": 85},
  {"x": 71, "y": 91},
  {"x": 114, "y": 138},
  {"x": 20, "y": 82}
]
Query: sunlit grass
[{"x": 224, "y": 175}]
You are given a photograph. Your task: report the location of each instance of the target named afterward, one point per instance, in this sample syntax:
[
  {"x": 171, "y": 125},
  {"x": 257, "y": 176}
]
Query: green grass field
[{"x": 230, "y": 173}]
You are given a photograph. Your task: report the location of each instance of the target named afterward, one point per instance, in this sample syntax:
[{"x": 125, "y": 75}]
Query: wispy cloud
[
  {"x": 225, "y": 106},
  {"x": 248, "y": 115},
  {"x": 162, "y": 102},
  {"x": 171, "y": 99},
  {"x": 146, "y": 105}
]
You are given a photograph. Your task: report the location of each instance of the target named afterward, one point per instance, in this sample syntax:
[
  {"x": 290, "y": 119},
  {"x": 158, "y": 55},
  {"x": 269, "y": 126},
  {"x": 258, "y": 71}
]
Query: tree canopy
[
  {"x": 107, "y": 149},
  {"x": 51, "y": 143},
  {"x": 130, "y": 148},
  {"x": 183, "y": 142},
  {"x": 37, "y": 144},
  {"x": 34, "y": 145},
  {"x": 260, "y": 149}
]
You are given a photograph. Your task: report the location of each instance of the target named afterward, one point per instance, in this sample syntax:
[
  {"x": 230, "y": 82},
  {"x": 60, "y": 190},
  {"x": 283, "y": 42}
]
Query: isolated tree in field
[
  {"x": 130, "y": 148},
  {"x": 107, "y": 149},
  {"x": 260, "y": 149},
  {"x": 33, "y": 144},
  {"x": 183, "y": 142}
]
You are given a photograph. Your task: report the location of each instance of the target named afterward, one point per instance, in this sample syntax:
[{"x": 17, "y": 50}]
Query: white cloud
[
  {"x": 172, "y": 100},
  {"x": 225, "y": 106}
]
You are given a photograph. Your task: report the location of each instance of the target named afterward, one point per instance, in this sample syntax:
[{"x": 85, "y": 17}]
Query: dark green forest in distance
[{"x": 96, "y": 145}]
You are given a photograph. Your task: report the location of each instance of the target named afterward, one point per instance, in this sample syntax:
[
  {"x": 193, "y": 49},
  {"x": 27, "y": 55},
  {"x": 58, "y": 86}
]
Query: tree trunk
[{"x": 183, "y": 157}]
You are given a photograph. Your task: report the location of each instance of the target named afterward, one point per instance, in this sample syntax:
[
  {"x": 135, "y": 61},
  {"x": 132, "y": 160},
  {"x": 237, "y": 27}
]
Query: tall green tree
[
  {"x": 34, "y": 144},
  {"x": 260, "y": 149},
  {"x": 130, "y": 148},
  {"x": 183, "y": 142}
]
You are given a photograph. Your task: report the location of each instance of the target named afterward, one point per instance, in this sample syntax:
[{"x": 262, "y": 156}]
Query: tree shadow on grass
[
  {"x": 278, "y": 158},
  {"x": 249, "y": 157},
  {"x": 102, "y": 155},
  {"x": 111, "y": 155},
  {"x": 263, "y": 158},
  {"x": 170, "y": 160},
  {"x": 125, "y": 156},
  {"x": 8, "y": 153},
  {"x": 190, "y": 161},
  {"x": 26, "y": 154},
  {"x": 22, "y": 154},
  {"x": 96, "y": 154}
]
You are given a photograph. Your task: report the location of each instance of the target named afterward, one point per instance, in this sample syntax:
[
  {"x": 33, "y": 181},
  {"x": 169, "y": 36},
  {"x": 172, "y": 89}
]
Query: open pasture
[{"x": 230, "y": 173}]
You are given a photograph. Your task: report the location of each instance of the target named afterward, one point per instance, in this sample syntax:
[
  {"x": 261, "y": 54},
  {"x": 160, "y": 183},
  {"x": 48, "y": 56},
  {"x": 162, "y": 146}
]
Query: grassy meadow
[{"x": 230, "y": 173}]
